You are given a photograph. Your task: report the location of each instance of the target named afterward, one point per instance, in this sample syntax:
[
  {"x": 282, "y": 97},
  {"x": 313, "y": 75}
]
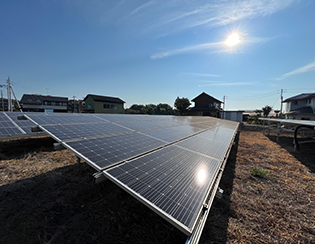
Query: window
[
  {"x": 295, "y": 102},
  {"x": 109, "y": 106},
  {"x": 89, "y": 106},
  {"x": 57, "y": 103},
  {"x": 83, "y": 103}
]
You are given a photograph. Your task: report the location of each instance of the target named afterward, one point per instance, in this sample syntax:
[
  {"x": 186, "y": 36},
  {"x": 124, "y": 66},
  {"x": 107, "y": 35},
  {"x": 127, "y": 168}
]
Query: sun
[{"x": 232, "y": 40}]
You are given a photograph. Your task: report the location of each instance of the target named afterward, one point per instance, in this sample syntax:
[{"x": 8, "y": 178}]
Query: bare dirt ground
[{"x": 45, "y": 197}]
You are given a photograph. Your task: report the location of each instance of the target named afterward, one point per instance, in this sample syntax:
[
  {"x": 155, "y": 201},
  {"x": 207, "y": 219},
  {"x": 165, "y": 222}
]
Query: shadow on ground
[
  {"x": 306, "y": 155},
  {"x": 64, "y": 206},
  {"x": 17, "y": 148},
  {"x": 215, "y": 230}
]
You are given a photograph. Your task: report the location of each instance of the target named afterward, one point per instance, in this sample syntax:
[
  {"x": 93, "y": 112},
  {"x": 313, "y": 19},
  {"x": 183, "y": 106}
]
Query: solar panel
[
  {"x": 291, "y": 121},
  {"x": 26, "y": 125},
  {"x": 173, "y": 180},
  {"x": 105, "y": 151},
  {"x": 8, "y": 127},
  {"x": 170, "y": 163},
  {"x": 75, "y": 131}
]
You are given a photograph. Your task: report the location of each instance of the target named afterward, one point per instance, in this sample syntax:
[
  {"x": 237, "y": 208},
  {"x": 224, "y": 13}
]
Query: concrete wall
[{"x": 233, "y": 116}]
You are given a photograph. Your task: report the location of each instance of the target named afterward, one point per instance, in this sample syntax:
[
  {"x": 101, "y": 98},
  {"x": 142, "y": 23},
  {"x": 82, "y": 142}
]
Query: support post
[
  {"x": 278, "y": 131},
  {"x": 295, "y": 140}
]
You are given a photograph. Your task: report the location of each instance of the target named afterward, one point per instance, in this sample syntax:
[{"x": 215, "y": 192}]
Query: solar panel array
[
  {"x": 291, "y": 121},
  {"x": 11, "y": 126},
  {"x": 7, "y": 127},
  {"x": 169, "y": 163}
]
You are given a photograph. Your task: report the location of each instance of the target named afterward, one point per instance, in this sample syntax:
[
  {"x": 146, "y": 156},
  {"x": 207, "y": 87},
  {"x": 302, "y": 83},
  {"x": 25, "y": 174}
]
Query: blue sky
[{"x": 153, "y": 51}]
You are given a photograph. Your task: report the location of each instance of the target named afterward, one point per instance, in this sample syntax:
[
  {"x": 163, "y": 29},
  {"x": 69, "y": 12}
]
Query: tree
[
  {"x": 73, "y": 106},
  {"x": 164, "y": 109},
  {"x": 266, "y": 110},
  {"x": 258, "y": 112},
  {"x": 182, "y": 104}
]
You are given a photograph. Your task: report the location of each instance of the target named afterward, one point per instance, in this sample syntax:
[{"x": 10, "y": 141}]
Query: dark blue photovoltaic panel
[
  {"x": 9, "y": 131},
  {"x": 105, "y": 151},
  {"x": 211, "y": 148},
  {"x": 7, "y": 127},
  {"x": 173, "y": 134},
  {"x": 168, "y": 134},
  {"x": 63, "y": 118},
  {"x": 122, "y": 117},
  {"x": 26, "y": 125},
  {"x": 75, "y": 131},
  {"x": 147, "y": 125},
  {"x": 173, "y": 179}
]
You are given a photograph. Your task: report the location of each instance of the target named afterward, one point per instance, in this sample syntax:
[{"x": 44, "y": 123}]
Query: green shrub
[{"x": 259, "y": 172}]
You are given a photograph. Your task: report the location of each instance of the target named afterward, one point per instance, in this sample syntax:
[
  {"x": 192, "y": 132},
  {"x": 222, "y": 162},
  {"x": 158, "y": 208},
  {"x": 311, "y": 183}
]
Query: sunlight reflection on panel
[{"x": 201, "y": 176}]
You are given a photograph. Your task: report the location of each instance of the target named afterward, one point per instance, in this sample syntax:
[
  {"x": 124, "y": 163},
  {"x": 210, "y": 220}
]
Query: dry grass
[
  {"x": 275, "y": 209},
  {"x": 45, "y": 197}
]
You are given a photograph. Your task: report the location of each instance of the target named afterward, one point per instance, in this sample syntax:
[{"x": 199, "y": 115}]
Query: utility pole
[
  {"x": 9, "y": 94},
  {"x": 73, "y": 104},
  {"x": 2, "y": 98},
  {"x": 223, "y": 103},
  {"x": 281, "y": 103}
]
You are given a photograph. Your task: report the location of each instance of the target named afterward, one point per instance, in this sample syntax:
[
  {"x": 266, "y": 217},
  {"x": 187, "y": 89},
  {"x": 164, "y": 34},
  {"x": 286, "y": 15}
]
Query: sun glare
[
  {"x": 201, "y": 176},
  {"x": 232, "y": 40}
]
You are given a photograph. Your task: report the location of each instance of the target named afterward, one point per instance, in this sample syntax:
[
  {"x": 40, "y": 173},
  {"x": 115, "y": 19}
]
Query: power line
[{"x": 259, "y": 96}]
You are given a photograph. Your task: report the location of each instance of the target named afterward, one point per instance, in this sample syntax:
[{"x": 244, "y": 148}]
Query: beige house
[{"x": 103, "y": 104}]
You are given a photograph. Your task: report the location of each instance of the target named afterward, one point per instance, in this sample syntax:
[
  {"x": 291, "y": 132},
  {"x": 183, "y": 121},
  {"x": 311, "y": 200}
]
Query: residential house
[
  {"x": 40, "y": 103},
  {"x": 206, "y": 105},
  {"x": 301, "y": 106},
  {"x": 3, "y": 104},
  {"x": 103, "y": 104}
]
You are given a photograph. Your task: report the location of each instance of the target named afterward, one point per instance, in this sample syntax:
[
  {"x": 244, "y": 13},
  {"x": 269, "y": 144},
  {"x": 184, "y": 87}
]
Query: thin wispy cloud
[
  {"x": 173, "y": 16},
  {"x": 307, "y": 68},
  {"x": 188, "y": 49},
  {"x": 191, "y": 14},
  {"x": 211, "y": 47},
  {"x": 138, "y": 9}
]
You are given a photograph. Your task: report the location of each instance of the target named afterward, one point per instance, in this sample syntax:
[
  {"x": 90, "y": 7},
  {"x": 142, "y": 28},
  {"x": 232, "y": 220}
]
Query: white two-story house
[{"x": 300, "y": 107}]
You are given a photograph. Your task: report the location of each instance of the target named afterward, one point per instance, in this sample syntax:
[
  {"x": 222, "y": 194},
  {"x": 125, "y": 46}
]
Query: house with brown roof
[
  {"x": 103, "y": 104},
  {"x": 40, "y": 103},
  {"x": 206, "y": 105},
  {"x": 301, "y": 106}
]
